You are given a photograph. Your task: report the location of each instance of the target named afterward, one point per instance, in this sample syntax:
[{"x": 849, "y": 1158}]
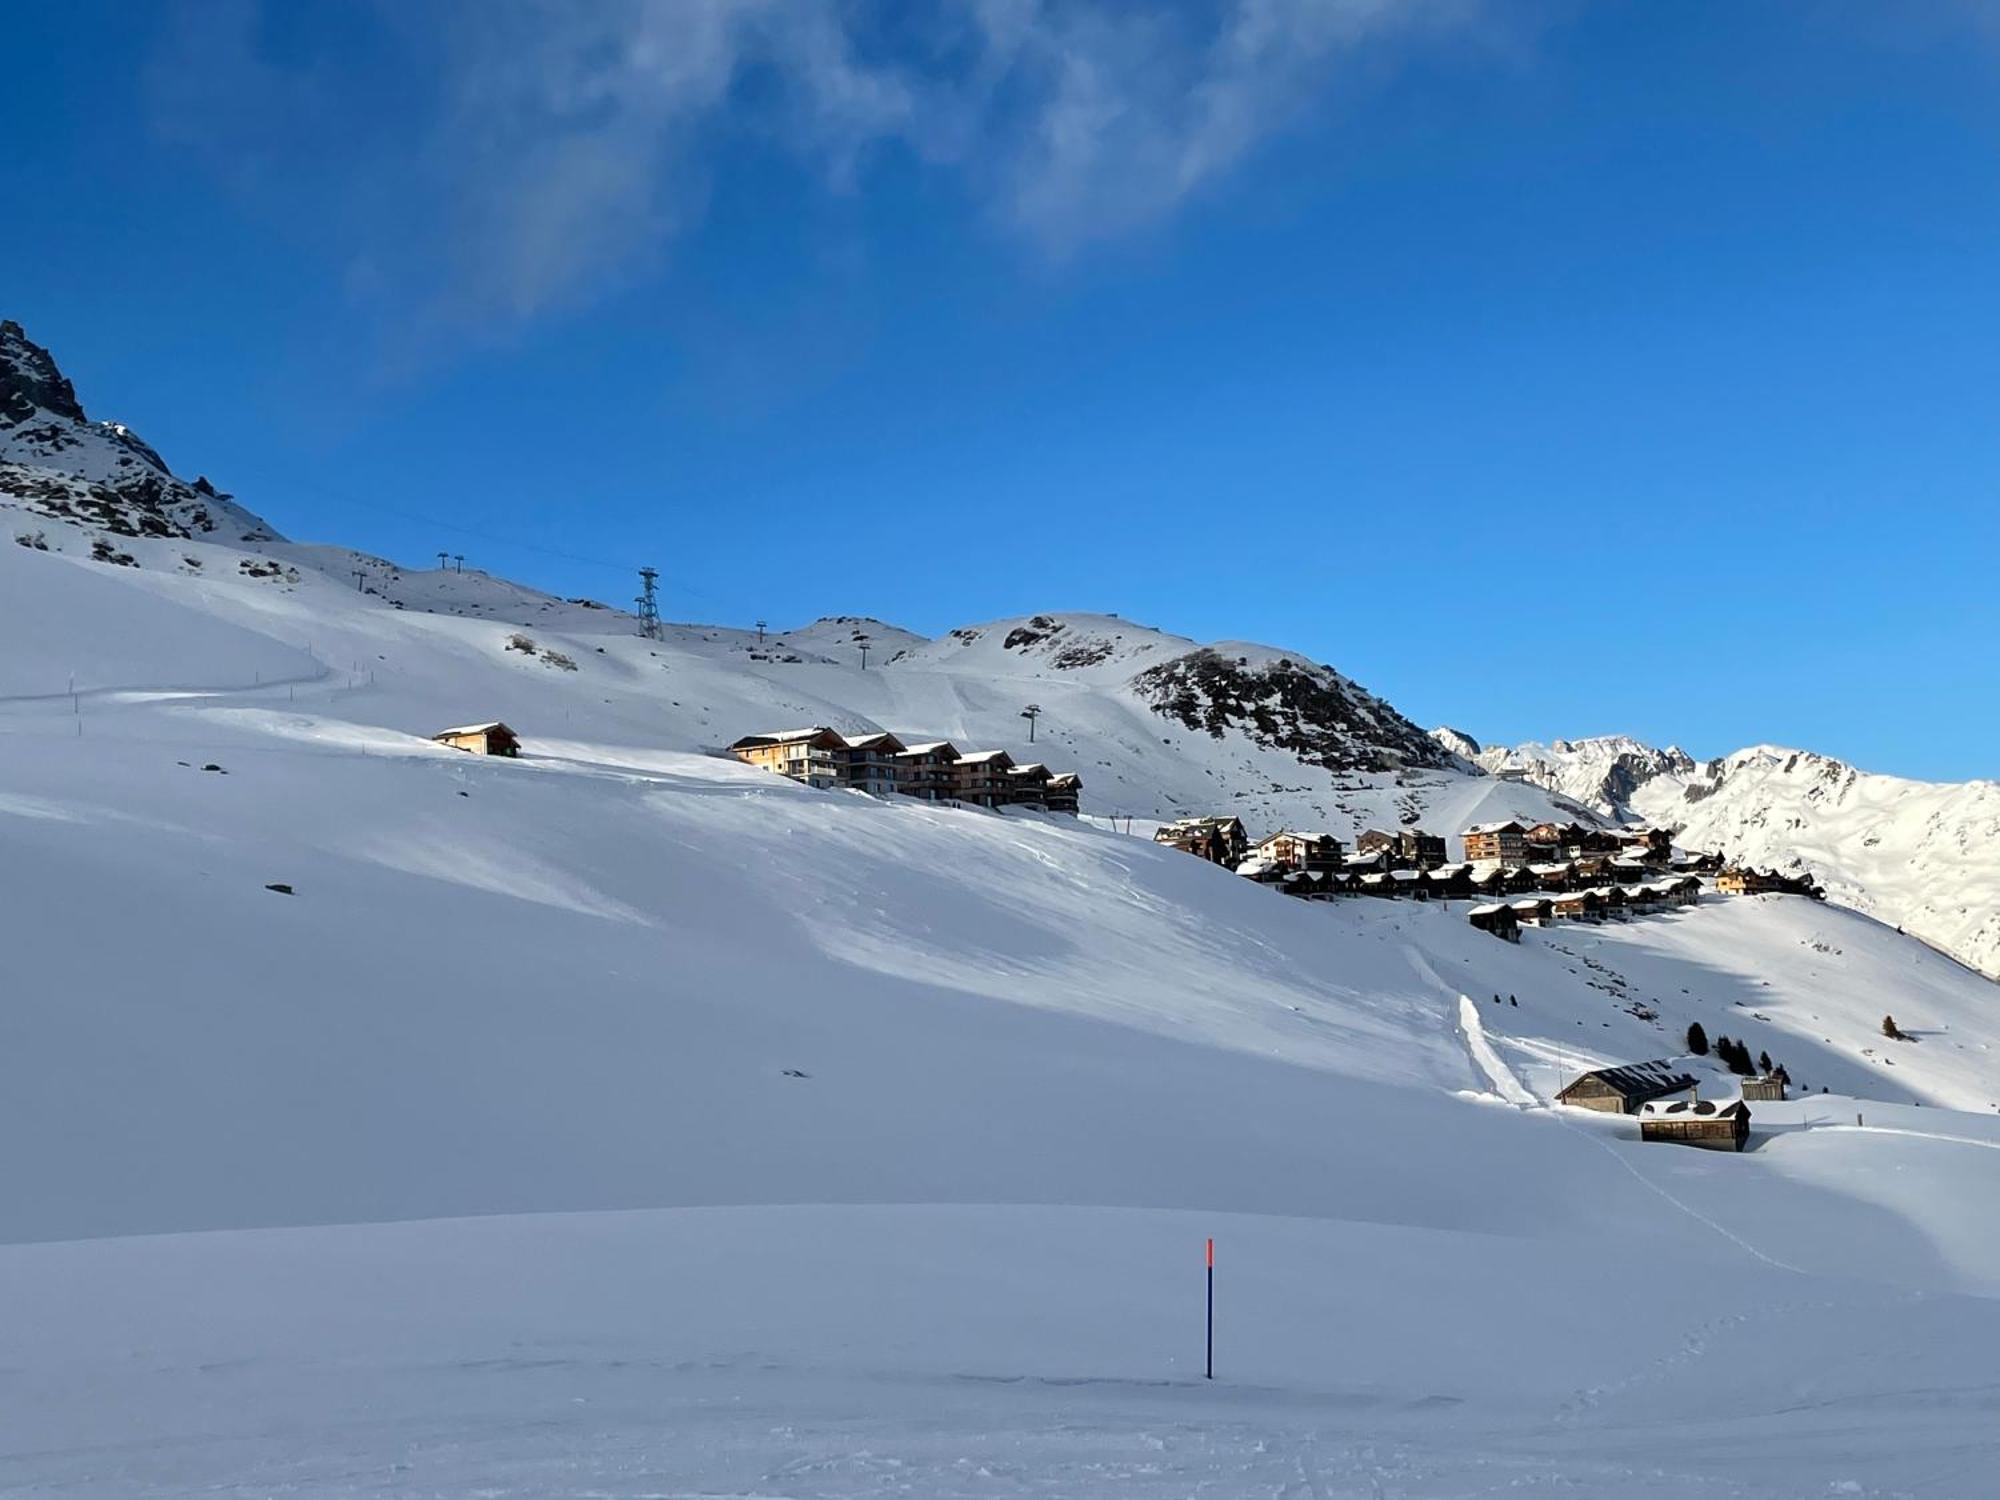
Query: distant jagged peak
[{"x": 1457, "y": 741}]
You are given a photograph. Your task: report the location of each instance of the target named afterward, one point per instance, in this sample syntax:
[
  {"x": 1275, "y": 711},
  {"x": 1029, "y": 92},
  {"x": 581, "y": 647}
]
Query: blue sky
[{"x": 1551, "y": 368}]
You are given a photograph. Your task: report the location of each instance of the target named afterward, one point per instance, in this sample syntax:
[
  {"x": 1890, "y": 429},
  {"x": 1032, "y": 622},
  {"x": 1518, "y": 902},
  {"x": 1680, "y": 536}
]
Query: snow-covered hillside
[
  {"x": 622, "y": 1120},
  {"x": 1919, "y": 855}
]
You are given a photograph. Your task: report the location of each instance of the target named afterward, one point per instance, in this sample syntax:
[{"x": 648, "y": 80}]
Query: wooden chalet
[
  {"x": 1518, "y": 881},
  {"x": 869, "y": 762},
  {"x": 1027, "y": 786},
  {"x": 1498, "y": 919},
  {"x": 1534, "y": 911},
  {"x": 492, "y": 738},
  {"x": 1221, "y": 841},
  {"x": 1414, "y": 884},
  {"x": 1452, "y": 882},
  {"x": 980, "y": 777},
  {"x": 805, "y": 755},
  {"x": 1405, "y": 847},
  {"x": 1506, "y": 842},
  {"x": 1558, "y": 875},
  {"x": 1289, "y": 850},
  {"x": 1653, "y": 845},
  {"x": 1063, "y": 793},
  {"x": 1578, "y": 906},
  {"x": 1622, "y": 1090},
  {"x": 1366, "y": 863},
  {"x": 925, "y": 770},
  {"x": 1696, "y": 1122},
  {"x": 1771, "y": 1086}
]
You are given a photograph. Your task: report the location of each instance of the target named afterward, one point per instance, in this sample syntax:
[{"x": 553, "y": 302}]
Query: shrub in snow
[
  {"x": 521, "y": 643},
  {"x": 558, "y": 659},
  {"x": 33, "y": 540},
  {"x": 1891, "y": 1030}
]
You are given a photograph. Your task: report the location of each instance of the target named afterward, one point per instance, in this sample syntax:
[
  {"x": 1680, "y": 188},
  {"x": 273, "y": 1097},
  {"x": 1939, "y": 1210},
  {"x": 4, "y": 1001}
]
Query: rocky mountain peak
[
  {"x": 30, "y": 381},
  {"x": 56, "y": 462}
]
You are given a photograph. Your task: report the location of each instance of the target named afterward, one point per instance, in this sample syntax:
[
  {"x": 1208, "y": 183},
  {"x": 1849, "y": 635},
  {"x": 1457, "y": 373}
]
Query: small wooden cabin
[
  {"x": 481, "y": 739},
  {"x": 1771, "y": 1087},
  {"x": 1697, "y": 1122},
  {"x": 1623, "y": 1090},
  {"x": 1498, "y": 920}
]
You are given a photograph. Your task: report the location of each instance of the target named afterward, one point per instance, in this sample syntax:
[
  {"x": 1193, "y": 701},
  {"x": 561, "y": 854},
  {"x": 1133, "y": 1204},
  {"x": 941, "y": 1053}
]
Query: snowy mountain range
[
  {"x": 621, "y": 1119},
  {"x": 1919, "y": 855}
]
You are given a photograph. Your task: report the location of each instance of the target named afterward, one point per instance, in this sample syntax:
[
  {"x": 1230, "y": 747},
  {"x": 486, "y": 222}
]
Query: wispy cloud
[{"x": 567, "y": 145}]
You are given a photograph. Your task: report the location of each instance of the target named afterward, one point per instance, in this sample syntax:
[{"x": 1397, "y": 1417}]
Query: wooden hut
[
  {"x": 1497, "y": 919},
  {"x": 1533, "y": 911},
  {"x": 1696, "y": 1122},
  {"x": 1621, "y": 1091},
  {"x": 1579, "y": 906},
  {"x": 1770, "y": 1087},
  {"x": 481, "y": 739}
]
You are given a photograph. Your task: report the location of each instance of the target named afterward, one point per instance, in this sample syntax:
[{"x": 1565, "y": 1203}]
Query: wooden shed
[
  {"x": 481, "y": 739},
  {"x": 1697, "y": 1122},
  {"x": 1769, "y": 1087},
  {"x": 1623, "y": 1090},
  {"x": 1496, "y": 919}
]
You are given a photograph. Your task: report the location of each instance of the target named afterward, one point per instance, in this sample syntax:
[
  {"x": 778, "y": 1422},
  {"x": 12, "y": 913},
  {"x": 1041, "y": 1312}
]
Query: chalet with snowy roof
[
  {"x": 1063, "y": 793},
  {"x": 925, "y": 770},
  {"x": 1221, "y": 841},
  {"x": 1652, "y": 845},
  {"x": 1451, "y": 882},
  {"x": 980, "y": 777},
  {"x": 805, "y": 755},
  {"x": 1414, "y": 884},
  {"x": 1406, "y": 848},
  {"x": 1027, "y": 784},
  {"x": 1506, "y": 842},
  {"x": 1578, "y": 906},
  {"x": 1533, "y": 911},
  {"x": 1622, "y": 1090},
  {"x": 1498, "y": 919},
  {"x": 1742, "y": 880},
  {"x": 1557, "y": 876},
  {"x": 493, "y": 738},
  {"x": 869, "y": 762},
  {"x": 1696, "y": 1122},
  {"x": 1289, "y": 850},
  {"x": 1375, "y": 863}
]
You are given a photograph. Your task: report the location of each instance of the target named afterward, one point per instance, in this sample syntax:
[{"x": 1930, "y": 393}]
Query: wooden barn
[
  {"x": 1771, "y": 1087},
  {"x": 481, "y": 739},
  {"x": 1697, "y": 1122},
  {"x": 1498, "y": 920},
  {"x": 1623, "y": 1090}
]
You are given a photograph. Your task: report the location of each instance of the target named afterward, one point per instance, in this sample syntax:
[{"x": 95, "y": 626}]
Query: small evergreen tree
[
  {"x": 1740, "y": 1063},
  {"x": 1764, "y": 1063},
  {"x": 1890, "y": 1029},
  {"x": 1697, "y": 1040}
]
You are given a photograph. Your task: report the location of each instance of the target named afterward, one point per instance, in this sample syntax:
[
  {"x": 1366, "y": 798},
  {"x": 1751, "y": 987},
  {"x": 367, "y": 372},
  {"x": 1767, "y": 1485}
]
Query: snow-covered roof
[
  {"x": 1643, "y": 1080},
  {"x": 786, "y": 736},
  {"x": 930, "y": 747},
  {"x": 1490, "y": 909},
  {"x": 486, "y": 728},
  {"x": 979, "y": 757},
  {"x": 1495, "y": 827},
  {"x": 1693, "y": 1108}
]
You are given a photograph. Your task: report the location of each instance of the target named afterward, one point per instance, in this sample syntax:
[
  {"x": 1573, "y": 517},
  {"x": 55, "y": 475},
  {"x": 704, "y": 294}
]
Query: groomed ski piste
[{"x": 624, "y": 1121}]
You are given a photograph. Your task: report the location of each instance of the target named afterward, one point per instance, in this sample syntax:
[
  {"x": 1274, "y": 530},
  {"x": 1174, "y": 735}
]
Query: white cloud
[{"x": 569, "y": 144}]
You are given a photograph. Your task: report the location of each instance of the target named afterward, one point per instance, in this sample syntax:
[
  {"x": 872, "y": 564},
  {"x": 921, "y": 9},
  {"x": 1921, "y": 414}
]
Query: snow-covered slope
[
  {"x": 753, "y": 1139},
  {"x": 1920, "y": 855}
]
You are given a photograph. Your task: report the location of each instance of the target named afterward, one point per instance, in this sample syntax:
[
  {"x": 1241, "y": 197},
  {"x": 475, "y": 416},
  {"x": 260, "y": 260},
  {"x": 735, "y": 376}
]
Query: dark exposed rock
[{"x": 1311, "y": 712}]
